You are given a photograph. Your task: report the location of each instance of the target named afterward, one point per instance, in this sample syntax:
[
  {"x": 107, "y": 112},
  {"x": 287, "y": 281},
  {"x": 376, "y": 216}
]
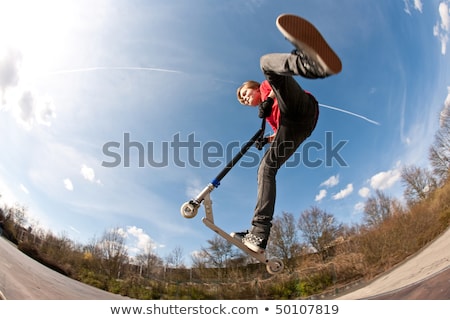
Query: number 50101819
[{"x": 306, "y": 309}]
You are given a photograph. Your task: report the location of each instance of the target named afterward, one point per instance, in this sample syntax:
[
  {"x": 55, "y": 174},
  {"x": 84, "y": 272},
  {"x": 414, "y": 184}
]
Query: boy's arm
[
  {"x": 271, "y": 137},
  {"x": 272, "y": 94}
]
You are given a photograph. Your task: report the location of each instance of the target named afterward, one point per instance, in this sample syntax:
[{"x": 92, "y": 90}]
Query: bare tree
[
  {"x": 13, "y": 221},
  {"x": 379, "y": 208},
  {"x": 92, "y": 255},
  {"x": 113, "y": 252},
  {"x": 59, "y": 248},
  {"x": 20, "y": 215},
  {"x": 175, "y": 258},
  {"x": 200, "y": 259},
  {"x": 148, "y": 261},
  {"x": 319, "y": 228},
  {"x": 219, "y": 252},
  {"x": 439, "y": 153},
  {"x": 418, "y": 183},
  {"x": 284, "y": 241}
]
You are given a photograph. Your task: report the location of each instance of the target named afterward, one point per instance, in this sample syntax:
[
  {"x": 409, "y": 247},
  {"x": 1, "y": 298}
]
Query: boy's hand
[
  {"x": 261, "y": 143},
  {"x": 265, "y": 108}
]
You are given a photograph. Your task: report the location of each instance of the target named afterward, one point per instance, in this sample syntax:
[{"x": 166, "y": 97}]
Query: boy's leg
[
  {"x": 279, "y": 69},
  {"x": 299, "y": 112},
  {"x": 286, "y": 142},
  {"x": 288, "y": 64}
]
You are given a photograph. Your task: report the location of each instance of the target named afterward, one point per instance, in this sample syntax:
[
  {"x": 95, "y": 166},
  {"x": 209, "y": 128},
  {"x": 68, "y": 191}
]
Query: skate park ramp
[
  {"x": 424, "y": 276},
  {"x": 22, "y": 278}
]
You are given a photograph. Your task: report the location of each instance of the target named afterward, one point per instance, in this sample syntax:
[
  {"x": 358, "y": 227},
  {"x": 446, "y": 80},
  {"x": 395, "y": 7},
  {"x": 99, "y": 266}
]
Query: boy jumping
[{"x": 291, "y": 112}]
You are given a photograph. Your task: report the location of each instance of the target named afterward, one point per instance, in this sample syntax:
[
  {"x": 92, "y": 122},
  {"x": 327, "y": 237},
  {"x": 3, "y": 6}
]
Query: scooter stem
[{"x": 259, "y": 135}]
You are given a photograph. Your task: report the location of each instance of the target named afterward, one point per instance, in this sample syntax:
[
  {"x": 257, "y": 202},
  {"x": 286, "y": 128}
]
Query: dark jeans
[{"x": 299, "y": 113}]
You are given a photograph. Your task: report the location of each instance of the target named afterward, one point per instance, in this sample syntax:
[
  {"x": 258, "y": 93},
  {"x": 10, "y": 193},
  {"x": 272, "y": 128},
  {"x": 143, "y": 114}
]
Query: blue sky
[{"x": 76, "y": 76}]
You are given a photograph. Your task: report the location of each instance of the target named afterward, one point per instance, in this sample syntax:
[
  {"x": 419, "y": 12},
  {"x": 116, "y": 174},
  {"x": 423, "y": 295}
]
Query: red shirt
[{"x": 274, "y": 118}]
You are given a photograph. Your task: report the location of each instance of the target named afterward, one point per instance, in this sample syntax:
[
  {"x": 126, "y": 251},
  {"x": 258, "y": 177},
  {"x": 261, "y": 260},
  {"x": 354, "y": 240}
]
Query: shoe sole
[{"x": 303, "y": 35}]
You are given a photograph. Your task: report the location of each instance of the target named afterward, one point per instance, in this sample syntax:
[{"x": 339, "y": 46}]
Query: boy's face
[{"x": 250, "y": 97}]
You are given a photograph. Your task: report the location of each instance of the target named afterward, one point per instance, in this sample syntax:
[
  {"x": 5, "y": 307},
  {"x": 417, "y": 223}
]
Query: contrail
[
  {"x": 350, "y": 113},
  {"x": 114, "y": 68},
  {"x": 180, "y": 72}
]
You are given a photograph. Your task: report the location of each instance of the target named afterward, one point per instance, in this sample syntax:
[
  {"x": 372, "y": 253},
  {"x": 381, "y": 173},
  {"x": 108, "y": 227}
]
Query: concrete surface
[
  {"x": 22, "y": 278},
  {"x": 426, "y": 275}
]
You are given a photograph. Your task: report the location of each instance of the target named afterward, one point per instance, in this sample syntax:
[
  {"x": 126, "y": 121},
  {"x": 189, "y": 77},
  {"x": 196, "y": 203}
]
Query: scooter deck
[{"x": 261, "y": 257}]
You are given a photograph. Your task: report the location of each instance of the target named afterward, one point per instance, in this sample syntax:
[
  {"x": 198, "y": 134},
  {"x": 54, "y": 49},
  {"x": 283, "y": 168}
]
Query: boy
[{"x": 291, "y": 112}]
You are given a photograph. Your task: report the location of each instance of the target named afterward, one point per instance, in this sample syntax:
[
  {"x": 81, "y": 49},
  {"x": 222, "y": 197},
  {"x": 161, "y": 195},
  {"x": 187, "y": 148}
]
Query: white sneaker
[
  {"x": 255, "y": 243},
  {"x": 308, "y": 40}
]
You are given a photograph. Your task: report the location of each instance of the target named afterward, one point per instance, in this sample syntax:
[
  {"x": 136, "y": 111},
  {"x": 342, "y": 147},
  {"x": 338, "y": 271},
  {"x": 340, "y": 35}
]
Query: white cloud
[
  {"x": 359, "y": 207},
  {"x": 68, "y": 184},
  {"x": 25, "y": 108},
  {"x": 45, "y": 111},
  {"x": 442, "y": 27},
  {"x": 331, "y": 181},
  {"x": 10, "y": 62},
  {"x": 24, "y": 189},
  {"x": 322, "y": 194},
  {"x": 26, "y": 105},
  {"x": 344, "y": 192},
  {"x": 144, "y": 239},
  {"x": 385, "y": 179},
  {"x": 89, "y": 174},
  {"x": 364, "y": 192},
  {"x": 417, "y": 5},
  {"x": 407, "y": 9},
  {"x": 445, "y": 113},
  {"x": 445, "y": 15},
  {"x": 140, "y": 242},
  {"x": 31, "y": 108},
  {"x": 123, "y": 233}
]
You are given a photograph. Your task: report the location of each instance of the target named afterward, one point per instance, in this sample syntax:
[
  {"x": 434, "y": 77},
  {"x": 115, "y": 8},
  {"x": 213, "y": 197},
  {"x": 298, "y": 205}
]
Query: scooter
[{"x": 190, "y": 209}]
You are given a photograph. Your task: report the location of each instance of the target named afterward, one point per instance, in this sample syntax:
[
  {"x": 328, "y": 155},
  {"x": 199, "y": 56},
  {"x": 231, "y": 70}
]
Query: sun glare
[{"x": 36, "y": 29}]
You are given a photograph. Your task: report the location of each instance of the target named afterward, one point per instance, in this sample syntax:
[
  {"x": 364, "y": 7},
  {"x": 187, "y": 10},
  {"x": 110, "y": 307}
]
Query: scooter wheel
[
  {"x": 275, "y": 266},
  {"x": 188, "y": 210}
]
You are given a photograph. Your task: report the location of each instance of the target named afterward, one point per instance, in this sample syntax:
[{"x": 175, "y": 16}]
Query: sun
[{"x": 37, "y": 30}]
